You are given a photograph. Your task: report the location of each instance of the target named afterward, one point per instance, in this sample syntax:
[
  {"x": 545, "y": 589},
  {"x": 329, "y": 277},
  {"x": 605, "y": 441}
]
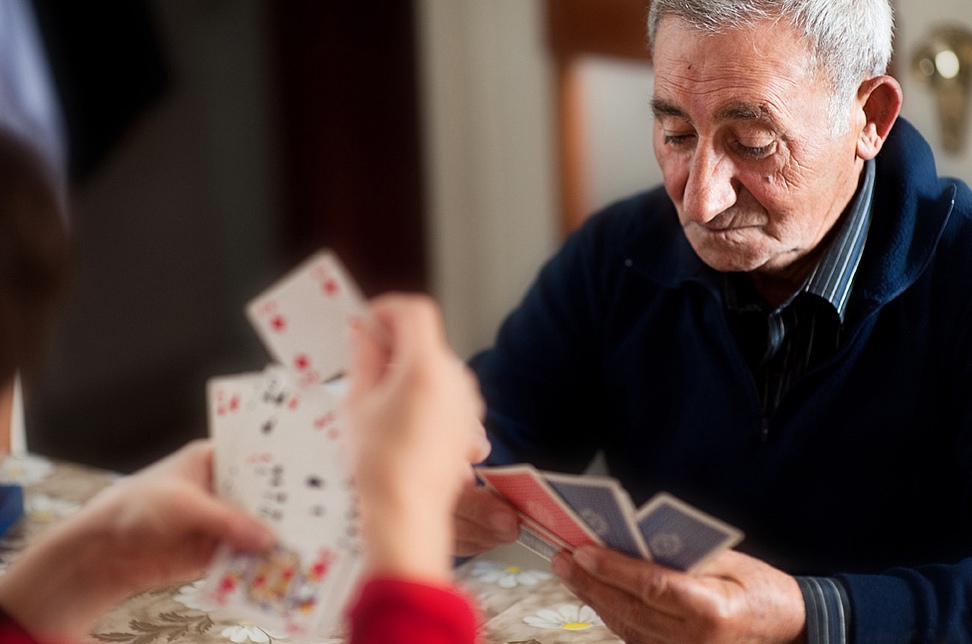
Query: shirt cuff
[{"x": 828, "y": 610}]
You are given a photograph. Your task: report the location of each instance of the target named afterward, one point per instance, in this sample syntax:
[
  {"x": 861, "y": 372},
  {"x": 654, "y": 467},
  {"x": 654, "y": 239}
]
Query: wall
[
  {"x": 172, "y": 236},
  {"x": 487, "y": 91},
  {"x": 618, "y": 124}
]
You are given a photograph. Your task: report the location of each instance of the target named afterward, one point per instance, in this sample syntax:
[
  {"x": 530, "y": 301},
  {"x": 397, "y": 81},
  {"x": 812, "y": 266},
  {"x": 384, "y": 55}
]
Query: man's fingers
[
  {"x": 664, "y": 589},
  {"x": 481, "y": 508},
  {"x": 659, "y": 594},
  {"x": 623, "y": 612},
  {"x": 474, "y": 539},
  {"x": 470, "y": 541},
  {"x": 483, "y": 521}
]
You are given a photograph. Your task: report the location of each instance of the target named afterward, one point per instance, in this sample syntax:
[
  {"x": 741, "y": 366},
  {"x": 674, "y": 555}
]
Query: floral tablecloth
[{"x": 521, "y": 604}]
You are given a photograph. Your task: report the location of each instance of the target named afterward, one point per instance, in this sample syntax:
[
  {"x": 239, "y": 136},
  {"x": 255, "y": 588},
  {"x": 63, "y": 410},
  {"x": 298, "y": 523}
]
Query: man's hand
[
  {"x": 483, "y": 521},
  {"x": 733, "y": 598}
]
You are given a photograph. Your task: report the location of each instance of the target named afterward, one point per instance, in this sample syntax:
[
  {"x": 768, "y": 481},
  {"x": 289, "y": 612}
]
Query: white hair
[{"x": 848, "y": 40}]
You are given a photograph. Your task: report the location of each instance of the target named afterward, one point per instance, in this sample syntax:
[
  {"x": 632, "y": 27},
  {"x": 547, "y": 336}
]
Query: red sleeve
[
  {"x": 11, "y": 632},
  {"x": 394, "y": 611}
]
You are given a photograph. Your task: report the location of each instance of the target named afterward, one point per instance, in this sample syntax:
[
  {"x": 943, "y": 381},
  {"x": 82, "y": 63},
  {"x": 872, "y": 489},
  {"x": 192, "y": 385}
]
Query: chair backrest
[{"x": 575, "y": 29}]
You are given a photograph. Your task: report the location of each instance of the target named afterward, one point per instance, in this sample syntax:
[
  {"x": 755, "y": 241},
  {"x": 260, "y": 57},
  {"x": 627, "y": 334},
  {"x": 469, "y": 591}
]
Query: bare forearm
[
  {"x": 53, "y": 589},
  {"x": 160, "y": 525},
  {"x": 408, "y": 540}
]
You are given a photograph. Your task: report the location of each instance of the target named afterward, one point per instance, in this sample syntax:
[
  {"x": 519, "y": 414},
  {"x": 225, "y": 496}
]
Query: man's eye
[
  {"x": 755, "y": 153},
  {"x": 678, "y": 140}
]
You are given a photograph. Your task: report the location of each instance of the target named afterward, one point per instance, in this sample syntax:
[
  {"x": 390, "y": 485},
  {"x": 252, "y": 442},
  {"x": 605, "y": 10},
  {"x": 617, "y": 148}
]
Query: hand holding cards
[
  {"x": 564, "y": 511},
  {"x": 280, "y": 441},
  {"x": 417, "y": 417}
]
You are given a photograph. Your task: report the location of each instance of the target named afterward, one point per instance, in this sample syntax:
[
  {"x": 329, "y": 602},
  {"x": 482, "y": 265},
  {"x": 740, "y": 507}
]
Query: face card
[
  {"x": 604, "y": 506},
  {"x": 523, "y": 486},
  {"x": 284, "y": 591},
  {"x": 303, "y": 318},
  {"x": 681, "y": 536}
]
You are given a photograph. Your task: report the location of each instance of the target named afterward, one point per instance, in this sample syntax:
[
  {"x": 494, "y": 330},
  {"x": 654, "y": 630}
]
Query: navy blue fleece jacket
[{"x": 863, "y": 472}]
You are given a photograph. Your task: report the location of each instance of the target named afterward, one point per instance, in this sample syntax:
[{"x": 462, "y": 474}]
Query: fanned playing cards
[
  {"x": 564, "y": 511},
  {"x": 279, "y": 453}
]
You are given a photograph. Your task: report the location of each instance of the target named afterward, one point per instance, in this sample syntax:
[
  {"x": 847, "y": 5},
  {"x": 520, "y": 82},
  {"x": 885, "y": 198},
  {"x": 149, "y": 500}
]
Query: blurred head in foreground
[{"x": 34, "y": 255}]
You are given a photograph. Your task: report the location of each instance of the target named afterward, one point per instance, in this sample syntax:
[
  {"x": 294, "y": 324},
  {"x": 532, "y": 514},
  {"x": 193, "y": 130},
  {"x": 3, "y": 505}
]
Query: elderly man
[{"x": 782, "y": 336}]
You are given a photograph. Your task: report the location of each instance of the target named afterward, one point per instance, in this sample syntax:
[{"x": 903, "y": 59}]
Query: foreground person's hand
[
  {"x": 416, "y": 416},
  {"x": 158, "y": 526}
]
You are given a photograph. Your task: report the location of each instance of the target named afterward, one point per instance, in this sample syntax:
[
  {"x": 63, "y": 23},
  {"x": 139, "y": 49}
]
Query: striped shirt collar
[{"x": 833, "y": 276}]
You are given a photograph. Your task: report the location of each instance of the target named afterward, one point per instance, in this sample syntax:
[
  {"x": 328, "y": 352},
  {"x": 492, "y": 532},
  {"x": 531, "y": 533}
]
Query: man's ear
[{"x": 880, "y": 100}]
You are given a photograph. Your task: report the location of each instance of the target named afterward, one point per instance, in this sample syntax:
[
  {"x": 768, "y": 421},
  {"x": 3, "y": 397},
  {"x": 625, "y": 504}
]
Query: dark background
[{"x": 214, "y": 144}]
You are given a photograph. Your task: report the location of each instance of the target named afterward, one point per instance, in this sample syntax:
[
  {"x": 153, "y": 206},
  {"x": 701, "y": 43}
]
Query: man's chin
[
  {"x": 732, "y": 259},
  {"x": 731, "y": 266}
]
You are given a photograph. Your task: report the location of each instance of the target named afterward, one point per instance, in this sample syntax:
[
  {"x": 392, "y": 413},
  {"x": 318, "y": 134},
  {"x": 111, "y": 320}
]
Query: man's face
[{"x": 743, "y": 137}]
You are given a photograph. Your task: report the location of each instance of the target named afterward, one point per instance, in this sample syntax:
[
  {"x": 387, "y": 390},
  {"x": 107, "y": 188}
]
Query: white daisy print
[
  {"x": 191, "y": 596},
  {"x": 25, "y": 469},
  {"x": 46, "y": 509},
  {"x": 248, "y": 632},
  {"x": 568, "y": 617},
  {"x": 504, "y": 576}
]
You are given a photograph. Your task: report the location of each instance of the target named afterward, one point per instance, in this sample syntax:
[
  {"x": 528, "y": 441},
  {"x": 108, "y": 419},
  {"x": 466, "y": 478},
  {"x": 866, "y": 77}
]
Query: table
[{"x": 521, "y": 601}]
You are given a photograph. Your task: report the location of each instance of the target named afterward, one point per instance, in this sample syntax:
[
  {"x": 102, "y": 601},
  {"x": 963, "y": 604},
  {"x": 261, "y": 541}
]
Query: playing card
[
  {"x": 536, "y": 540},
  {"x": 244, "y": 411},
  {"x": 279, "y": 450},
  {"x": 284, "y": 449},
  {"x": 604, "y": 506},
  {"x": 524, "y": 487},
  {"x": 303, "y": 318},
  {"x": 234, "y": 411},
  {"x": 285, "y": 591},
  {"x": 304, "y": 483},
  {"x": 681, "y": 536}
]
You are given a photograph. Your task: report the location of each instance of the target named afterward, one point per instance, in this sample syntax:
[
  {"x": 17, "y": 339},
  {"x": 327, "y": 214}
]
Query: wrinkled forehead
[
  {"x": 766, "y": 66},
  {"x": 768, "y": 50}
]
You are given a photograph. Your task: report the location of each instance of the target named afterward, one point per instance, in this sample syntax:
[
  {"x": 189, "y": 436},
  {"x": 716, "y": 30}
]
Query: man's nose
[{"x": 711, "y": 186}]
